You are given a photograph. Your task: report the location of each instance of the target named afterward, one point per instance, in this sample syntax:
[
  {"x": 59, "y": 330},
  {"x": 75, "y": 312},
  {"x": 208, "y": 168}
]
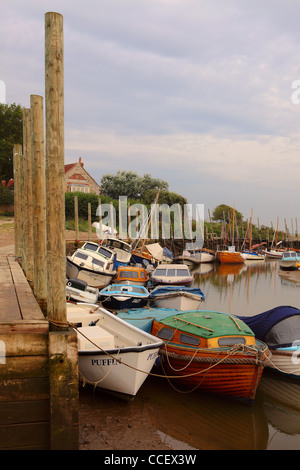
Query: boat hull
[
  {"x": 92, "y": 278},
  {"x": 119, "y": 302},
  {"x": 286, "y": 361},
  {"x": 178, "y": 301},
  {"x": 227, "y": 257},
  {"x": 235, "y": 377},
  {"x": 118, "y": 370}
]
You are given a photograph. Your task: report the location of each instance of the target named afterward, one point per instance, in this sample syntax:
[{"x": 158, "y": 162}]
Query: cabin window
[
  {"x": 160, "y": 272},
  {"x": 182, "y": 272},
  {"x": 90, "y": 246},
  {"x": 143, "y": 275},
  {"x": 81, "y": 255},
  {"x": 97, "y": 262},
  {"x": 187, "y": 339},
  {"x": 171, "y": 272},
  {"x": 166, "y": 333},
  {"x": 102, "y": 251},
  {"x": 132, "y": 274},
  {"x": 231, "y": 341}
]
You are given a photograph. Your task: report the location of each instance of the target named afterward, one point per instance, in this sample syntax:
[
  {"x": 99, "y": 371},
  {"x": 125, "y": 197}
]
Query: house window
[{"x": 79, "y": 189}]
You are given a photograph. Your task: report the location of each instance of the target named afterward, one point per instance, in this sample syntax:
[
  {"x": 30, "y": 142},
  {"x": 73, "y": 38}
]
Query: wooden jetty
[{"x": 39, "y": 390}]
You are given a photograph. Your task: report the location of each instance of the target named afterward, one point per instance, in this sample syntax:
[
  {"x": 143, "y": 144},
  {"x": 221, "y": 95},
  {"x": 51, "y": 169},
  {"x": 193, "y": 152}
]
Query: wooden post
[
  {"x": 76, "y": 218},
  {"x": 63, "y": 348},
  {"x": 22, "y": 212},
  {"x": 38, "y": 200},
  {"x": 28, "y": 230},
  {"x": 55, "y": 184},
  {"x": 90, "y": 220},
  {"x": 17, "y": 209}
]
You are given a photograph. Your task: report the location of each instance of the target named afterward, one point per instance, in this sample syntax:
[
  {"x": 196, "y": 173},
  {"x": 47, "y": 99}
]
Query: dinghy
[
  {"x": 119, "y": 296},
  {"x": 113, "y": 354},
  {"x": 178, "y": 297}
]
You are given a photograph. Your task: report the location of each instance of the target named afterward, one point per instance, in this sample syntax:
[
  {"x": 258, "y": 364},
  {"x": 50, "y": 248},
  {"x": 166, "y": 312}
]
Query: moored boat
[
  {"x": 94, "y": 264},
  {"x": 79, "y": 290},
  {"x": 279, "y": 328},
  {"x": 229, "y": 256},
  {"x": 177, "y": 297},
  {"x": 290, "y": 260},
  {"x": 120, "y": 296},
  {"x": 214, "y": 352},
  {"x": 121, "y": 248},
  {"x": 172, "y": 274},
  {"x": 113, "y": 354},
  {"x": 131, "y": 275}
]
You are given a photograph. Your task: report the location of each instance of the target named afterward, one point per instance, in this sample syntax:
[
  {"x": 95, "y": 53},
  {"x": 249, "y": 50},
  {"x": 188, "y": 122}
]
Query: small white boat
[
  {"x": 172, "y": 274},
  {"x": 121, "y": 248},
  {"x": 252, "y": 256},
  {"x": 119, "y": 296},
  {"x": 113, "y": 354},
  {"x": 276, "y": 254},
  {"x": 80, "y": 291},
  {"x": 176, "y": 297},
  {"x": 93, "y": 263},
  {"x": 290, "y": 260}
]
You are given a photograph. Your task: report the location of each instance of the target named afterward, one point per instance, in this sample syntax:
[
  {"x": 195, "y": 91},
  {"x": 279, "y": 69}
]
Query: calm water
[{"x": 194, "y": 420}]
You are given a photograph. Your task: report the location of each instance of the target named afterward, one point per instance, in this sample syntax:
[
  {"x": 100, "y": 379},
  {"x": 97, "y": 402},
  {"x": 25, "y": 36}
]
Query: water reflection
[{"x": 246, "y": 289}]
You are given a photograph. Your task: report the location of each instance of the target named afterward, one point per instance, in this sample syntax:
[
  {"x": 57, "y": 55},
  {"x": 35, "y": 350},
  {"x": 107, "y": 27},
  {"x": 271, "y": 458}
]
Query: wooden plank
[
  {"x": 28, "y": 344},
  {"x": 24, "y": 435},
  {"x": 24, "y": 326},
  {"x": 16, "y": 412},
  {"x": 24, "y": 389},
  {"x": 24, "y": 367},
  {"x": 29, "y": 307}
]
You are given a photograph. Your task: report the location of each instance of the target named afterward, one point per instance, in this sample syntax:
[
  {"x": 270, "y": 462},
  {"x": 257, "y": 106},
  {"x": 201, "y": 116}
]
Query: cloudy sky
[{"x": 198, "y": 93}]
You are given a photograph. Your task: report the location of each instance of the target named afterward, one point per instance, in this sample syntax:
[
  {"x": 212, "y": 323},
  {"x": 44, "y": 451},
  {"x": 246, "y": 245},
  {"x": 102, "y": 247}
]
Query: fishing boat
[
  {"x": 172, "y": 274},
  {"x": 131, "y": 275},
  {"x": 279, "y": 328},
  {"x": 112, "y": 354},
  {"x": 211, "y": 351},
  {"x": 121, "y": 248},
  {"x": 177, "y": 297},
  {"x": 290, "y": 260},
  {"x": 93, "y": 263},
  {"x": 78, "y": 290},
  {"x": 120, "y": 296}
]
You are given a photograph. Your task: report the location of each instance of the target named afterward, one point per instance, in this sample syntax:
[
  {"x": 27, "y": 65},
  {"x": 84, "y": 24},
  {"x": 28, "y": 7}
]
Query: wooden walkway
[{"x": 24, "y": 361}]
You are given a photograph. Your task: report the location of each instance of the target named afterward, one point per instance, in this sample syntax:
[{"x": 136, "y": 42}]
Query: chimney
[{"x": 80, "y": 162}]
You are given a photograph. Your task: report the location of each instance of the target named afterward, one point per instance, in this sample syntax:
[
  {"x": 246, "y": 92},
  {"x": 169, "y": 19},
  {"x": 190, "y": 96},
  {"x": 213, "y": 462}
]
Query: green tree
[
  {"x": 223, "y": 213},
  {"x": 11, "y": 133},
  {"x": 130, "y": 184}
]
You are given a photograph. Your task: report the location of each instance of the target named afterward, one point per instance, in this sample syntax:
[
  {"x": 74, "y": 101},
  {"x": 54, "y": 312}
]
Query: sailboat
[
  {"x": 250, "y": 254},
  {"x": 274, "y": 252},
  {"x": 230, "y": 256}
]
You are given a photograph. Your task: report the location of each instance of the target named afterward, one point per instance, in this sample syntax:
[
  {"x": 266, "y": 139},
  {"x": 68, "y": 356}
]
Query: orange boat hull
[
  {"x": 229, "y": 258},
  {"x": 208, "y": 371}
]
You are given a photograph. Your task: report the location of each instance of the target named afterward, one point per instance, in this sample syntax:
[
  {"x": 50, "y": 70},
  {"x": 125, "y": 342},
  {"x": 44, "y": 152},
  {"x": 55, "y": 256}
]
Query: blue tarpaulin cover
[{"x": 279, "y": 326}]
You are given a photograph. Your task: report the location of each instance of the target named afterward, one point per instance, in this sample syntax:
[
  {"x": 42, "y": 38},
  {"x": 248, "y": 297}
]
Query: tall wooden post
[
  {"x": 28, "y": 230},
  {"x": 90, "y": 220},
  {"x": 55, "y": 194},
  {"x": 76, "y": 218},
  {"x": 63, "y": 348},
  {"x": 17, "y": 151},
  {"x": 38, "y": 200}
]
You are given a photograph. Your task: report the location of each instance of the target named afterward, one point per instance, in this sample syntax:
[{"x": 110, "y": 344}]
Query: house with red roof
[{"x": 77, "y": 179}]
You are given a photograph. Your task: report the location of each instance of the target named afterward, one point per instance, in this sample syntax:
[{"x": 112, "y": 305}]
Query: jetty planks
[{"x": 24, "y": 363}]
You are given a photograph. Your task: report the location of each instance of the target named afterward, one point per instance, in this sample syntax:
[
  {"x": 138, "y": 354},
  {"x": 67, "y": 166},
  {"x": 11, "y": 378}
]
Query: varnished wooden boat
[
  {"x": 229, "y": 257},
  {"x": 211, "y": 351}
]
